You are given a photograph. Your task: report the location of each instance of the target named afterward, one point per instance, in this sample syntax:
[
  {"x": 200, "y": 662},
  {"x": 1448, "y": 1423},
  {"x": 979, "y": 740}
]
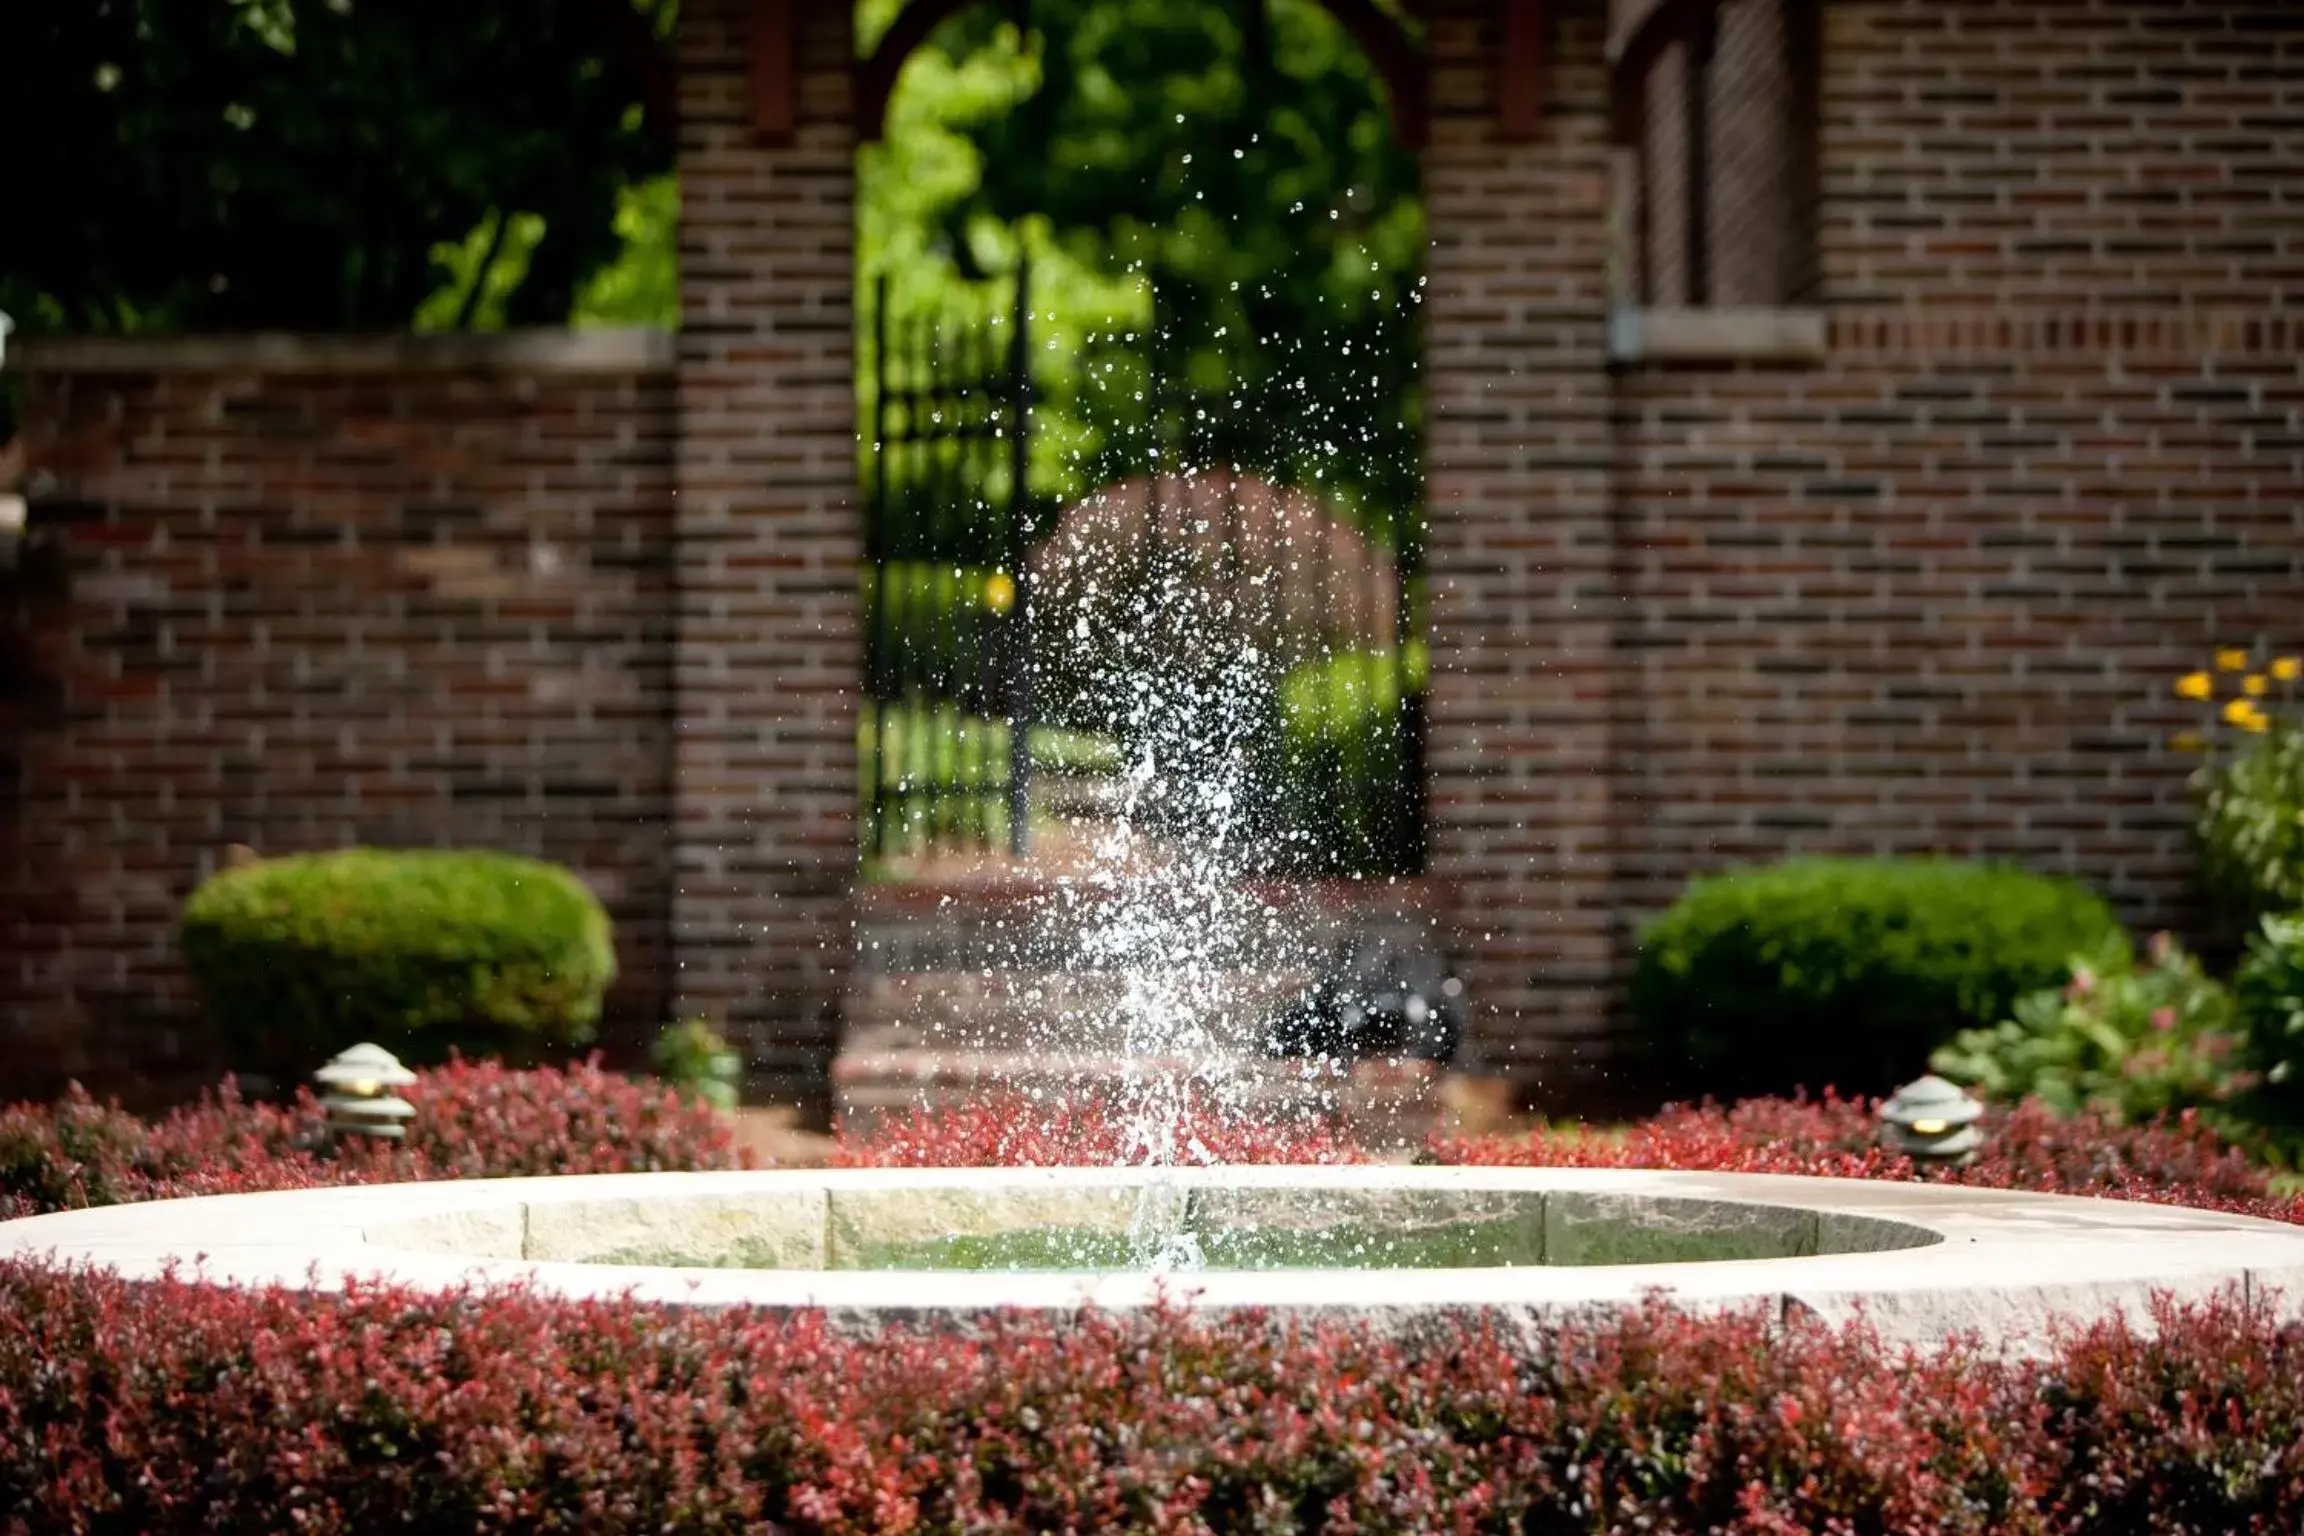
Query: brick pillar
[
  {"x": 765, "y": 756},
  {"x": 1521, "y": 548}
]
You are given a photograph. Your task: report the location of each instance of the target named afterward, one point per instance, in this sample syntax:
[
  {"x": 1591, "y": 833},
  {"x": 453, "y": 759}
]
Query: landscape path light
[
  {"x": 357, "y": 1093},
  {"x": 1931, "y": 1121},
  {"x": 15, "y": 511}
]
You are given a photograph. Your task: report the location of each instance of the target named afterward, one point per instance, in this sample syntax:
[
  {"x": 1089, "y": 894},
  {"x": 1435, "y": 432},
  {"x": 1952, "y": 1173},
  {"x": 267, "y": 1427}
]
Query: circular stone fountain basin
[{"x": 1385, "y": 1247}]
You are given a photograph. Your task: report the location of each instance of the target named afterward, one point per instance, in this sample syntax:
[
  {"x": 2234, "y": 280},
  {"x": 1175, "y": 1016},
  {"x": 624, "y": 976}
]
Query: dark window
[{"x": 1723, "y": 160}]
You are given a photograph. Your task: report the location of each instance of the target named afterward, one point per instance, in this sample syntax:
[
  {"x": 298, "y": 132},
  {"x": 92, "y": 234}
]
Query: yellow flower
[
  {"x": 2257, "y": 723},
  {"x": 2288, "y": 668},
  {"x": 2231, "y": 659},
  {"x": 2239, "y": 712},
  {"x": 2195, "y": 685},
  {"x": 2253, "y": 685},
  {"x": 2187, "y": 741}
]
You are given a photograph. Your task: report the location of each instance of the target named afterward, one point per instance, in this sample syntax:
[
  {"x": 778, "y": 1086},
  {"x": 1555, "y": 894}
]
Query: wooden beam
[
  {"x": 775, "y": 70},
  {"x": 1520, "y": 72}
]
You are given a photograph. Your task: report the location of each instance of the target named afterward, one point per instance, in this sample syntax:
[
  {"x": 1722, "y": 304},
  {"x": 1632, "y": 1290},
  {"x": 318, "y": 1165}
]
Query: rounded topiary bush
[
  {"x": 1847, "y": 973},
  {"x": 421, "y": 951}
]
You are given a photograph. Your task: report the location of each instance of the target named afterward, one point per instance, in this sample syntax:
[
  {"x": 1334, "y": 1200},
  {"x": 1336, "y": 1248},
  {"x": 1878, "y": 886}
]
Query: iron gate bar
[
  {"x": 1020, "y": 572},
  {"x": 958, "y": 602},
  {"x": 950, "y": 416}
]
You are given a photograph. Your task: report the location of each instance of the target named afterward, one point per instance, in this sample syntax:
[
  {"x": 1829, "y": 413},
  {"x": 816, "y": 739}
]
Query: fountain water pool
[{"x": 1393, "y": 1249}]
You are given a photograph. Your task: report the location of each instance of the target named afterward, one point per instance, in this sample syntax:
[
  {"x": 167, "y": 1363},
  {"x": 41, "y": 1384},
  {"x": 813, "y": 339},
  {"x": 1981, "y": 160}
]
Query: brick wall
[
  {"x": 1923, "y": 593},
  {"x": 404, "y": 596},
  {"x": 1929, "y": 594},
  {"x": 770, "y": 543},
  {"x": 1521, "y": 558}
]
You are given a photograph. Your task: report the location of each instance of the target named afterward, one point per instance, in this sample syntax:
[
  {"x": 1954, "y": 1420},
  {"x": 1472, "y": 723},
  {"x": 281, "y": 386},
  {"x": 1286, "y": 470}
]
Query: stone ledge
[
  {"x": 618, "y": 351},
  {"x": 2006, "y": 1266},
  {"x": 1638, "y": 336}
]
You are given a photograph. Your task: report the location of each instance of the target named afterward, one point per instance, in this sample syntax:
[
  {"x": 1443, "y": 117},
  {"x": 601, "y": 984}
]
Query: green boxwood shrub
[
  {"x": 1348, "y": 783},
  {"x": 422, "y": 951},
  {"x": 2252, "y": 828},
  {"x": 2271, "y": 992},
  {"x": 699, "y": 1063},
  {"x": 1847, "y": 973}
]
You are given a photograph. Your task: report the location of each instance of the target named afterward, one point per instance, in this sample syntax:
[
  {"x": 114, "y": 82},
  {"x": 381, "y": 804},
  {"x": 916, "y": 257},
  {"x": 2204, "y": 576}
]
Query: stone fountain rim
[{"x": 2007, "y": 1262}]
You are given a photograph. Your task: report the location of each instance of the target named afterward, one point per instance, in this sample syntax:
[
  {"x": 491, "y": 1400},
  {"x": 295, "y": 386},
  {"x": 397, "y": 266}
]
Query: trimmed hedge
[
  {"x": 1011, "y": 1131},
  {"x": 422, "y": 951},
  {"x": 482, "y": 1120},
  {"x": 2178, "y": 1161},
  {"x": 473, "y": 1120},
  {"x": 172, "y": 1406},
  {"x": 175, "y": 1407},
  {"x": 1347, "y": 781},
  {"x": 1847, "y": 973}
]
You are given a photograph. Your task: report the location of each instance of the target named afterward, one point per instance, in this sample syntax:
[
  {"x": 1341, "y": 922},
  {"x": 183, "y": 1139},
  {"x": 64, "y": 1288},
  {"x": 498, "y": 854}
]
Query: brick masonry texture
[
  {"x": 1926, "y": 595},
  {"x": 770, "y": 543},
  {"x": 1929, "y": 596},
  {"x": 1521, "y": 564},
  {"x": 317, "y": 609}
]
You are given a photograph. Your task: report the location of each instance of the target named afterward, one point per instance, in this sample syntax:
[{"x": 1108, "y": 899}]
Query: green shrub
[
  {"x": 695, "y": 1060},
  {"x": 2133, "y": 1041},
  {"x": 2271, "y": 991},
  {"x": 1348, "y": 780},
  {"x": 1848, "y": 972},
  {"x": 423, "y": 952},
  {"x": 2252, "y": 827}
]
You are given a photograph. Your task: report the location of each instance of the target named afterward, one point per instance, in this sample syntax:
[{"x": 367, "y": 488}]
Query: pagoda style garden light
[
  {"x": 356, "y": 1091},
  {"x": 1932, "y": 1121}
]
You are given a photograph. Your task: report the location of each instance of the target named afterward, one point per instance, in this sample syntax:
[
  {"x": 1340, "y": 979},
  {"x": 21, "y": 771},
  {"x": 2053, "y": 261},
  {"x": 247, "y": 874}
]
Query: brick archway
[
  {"x": 1379, "y": 34},
  {"x": 774, "y": 103}
]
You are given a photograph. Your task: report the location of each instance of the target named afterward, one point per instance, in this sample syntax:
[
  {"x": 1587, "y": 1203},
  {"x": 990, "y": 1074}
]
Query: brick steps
[
  {"x": 987, "y": 984},
  {"x": 936, "y": 1039},
  {"x": 872, "y": 1087}
]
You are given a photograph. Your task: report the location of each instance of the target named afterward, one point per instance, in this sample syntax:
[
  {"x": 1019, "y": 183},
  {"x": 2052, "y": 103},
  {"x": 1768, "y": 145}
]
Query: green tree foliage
[
  {"x": 1233, "y": 158},
  {"x": 195, "y": 164}
]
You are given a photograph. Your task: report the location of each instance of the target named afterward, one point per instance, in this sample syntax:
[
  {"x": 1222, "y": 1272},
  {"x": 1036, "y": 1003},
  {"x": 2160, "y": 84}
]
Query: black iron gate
[
  {"x": 947, "y": 605},
  {"x": 975, "y": 591}
]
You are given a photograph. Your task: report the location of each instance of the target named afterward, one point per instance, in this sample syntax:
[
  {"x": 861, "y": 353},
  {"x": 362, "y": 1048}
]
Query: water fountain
[{"x": 1394, "y": 1247}]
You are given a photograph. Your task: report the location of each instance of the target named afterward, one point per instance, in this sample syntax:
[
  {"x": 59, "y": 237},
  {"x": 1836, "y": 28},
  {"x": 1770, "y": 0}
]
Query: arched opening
[
  {"x": 1148, "y": 366},
  {"x": 1380, "y": 34}
]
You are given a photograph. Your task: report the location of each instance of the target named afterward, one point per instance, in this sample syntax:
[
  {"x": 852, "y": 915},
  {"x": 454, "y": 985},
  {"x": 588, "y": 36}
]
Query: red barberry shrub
[
  {"x": 484, "y": 1120},
  {"x": 172, "y": 1406},
  {"x": 1017, "y": 1131},
  {"x": 474, "y": 1120},
  {"x": 1830, "y": 1137},
  {"x": 2181, "y": 1161}
]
